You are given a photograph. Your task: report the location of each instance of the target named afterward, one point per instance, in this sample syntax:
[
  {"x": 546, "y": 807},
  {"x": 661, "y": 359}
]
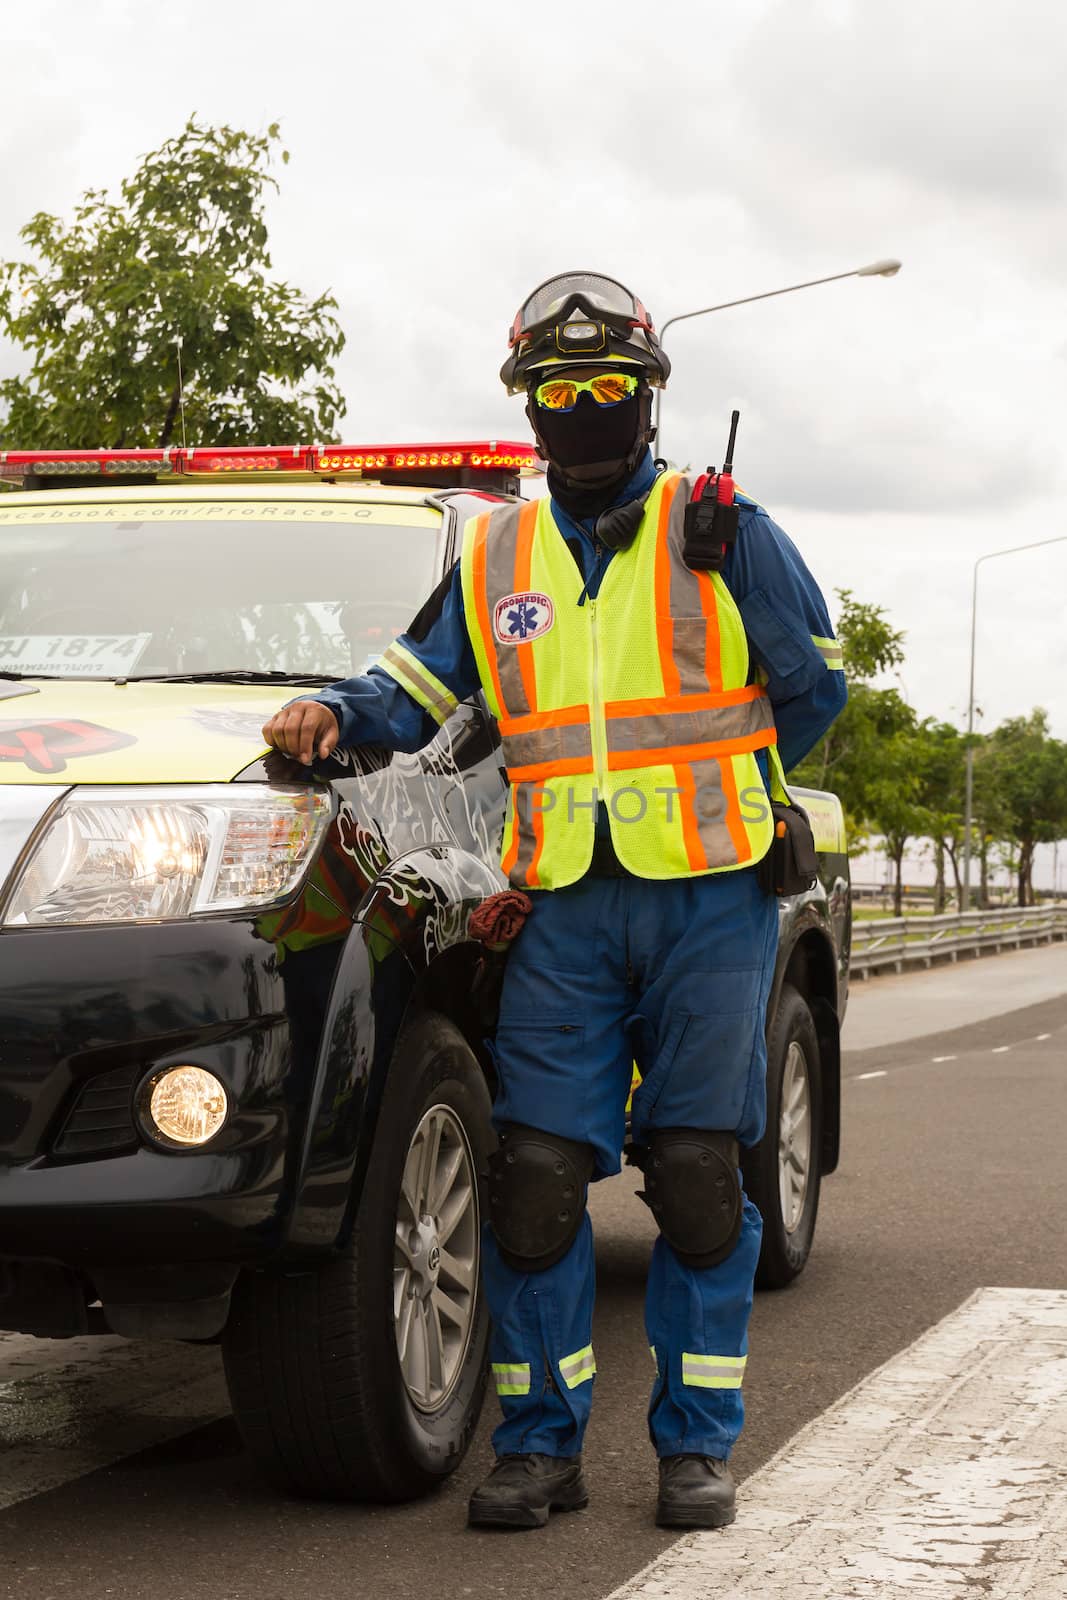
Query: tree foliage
[
  {"x": 1025, "y": 771},
  {"x": 851, "y": 756},
  {"x": 941, "y": 783},
  {"x": 182, "y": 254},
  {"x": 904, "y": 778},
  {"x": 893, "y": 799}
]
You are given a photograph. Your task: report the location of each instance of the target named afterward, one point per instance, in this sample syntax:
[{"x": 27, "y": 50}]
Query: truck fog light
[{"x": 186, "y": 1106}]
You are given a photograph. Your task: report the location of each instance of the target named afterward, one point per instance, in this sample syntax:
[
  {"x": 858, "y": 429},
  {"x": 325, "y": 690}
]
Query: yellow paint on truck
[
  {"x": 161, "y": 732},
  {"x": 827, "y": 820}
]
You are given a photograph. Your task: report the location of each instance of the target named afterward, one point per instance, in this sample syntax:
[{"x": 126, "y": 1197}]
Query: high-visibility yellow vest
[{"x": 639, "y": 699}]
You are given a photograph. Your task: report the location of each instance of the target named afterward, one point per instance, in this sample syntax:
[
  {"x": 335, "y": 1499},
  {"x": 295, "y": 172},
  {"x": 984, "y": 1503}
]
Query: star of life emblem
[{"x": 518, "y": 618}]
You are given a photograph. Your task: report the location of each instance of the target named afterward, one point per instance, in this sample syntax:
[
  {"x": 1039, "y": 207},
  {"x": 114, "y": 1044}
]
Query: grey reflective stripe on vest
[
  {"x": 501, "y": 543},
  {"x": 573, "y": 742},
  {"x": 673, "y": 729},
  {"x": 709, "y": 809},
  {"x": 527, "y": 799},
  {"x": 689, "y": 642}
]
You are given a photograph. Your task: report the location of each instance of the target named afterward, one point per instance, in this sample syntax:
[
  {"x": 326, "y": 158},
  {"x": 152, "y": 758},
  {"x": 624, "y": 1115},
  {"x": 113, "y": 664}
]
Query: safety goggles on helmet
[
  {"x": 607, "y": 389},
  {"x": 581, "y": 318},
  {"x": 574, "y": 299}
]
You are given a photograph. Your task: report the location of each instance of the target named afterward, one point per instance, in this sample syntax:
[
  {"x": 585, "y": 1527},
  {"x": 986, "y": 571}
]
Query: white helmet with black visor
[{"x": 578, "y": 318}]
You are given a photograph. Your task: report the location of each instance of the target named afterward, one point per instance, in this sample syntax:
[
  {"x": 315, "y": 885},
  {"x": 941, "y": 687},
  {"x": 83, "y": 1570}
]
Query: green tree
[
  {"x": 992, "y": 818},
  {"x": 849, "y": 757},
  {"x": 182, "y": 254},
  {"x": 1027, "y": 770},
  {"x": 941, "y": 781},
  {"x": 893, "y": 798}
]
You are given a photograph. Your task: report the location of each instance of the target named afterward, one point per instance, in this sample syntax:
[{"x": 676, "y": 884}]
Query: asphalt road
[{"x": 952, "y": 1178}]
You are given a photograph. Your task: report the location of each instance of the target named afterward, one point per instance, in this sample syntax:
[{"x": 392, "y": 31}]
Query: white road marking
[
  {"x": 861, "y": 1075},
  {"x": 1042, "y": 1036},
  {"x": 69, "y": 1406},
  {"x": 943, "y": 1058},
  {"x": 1001, "y": 1049},
  {"x": 945, "y": 1471}
]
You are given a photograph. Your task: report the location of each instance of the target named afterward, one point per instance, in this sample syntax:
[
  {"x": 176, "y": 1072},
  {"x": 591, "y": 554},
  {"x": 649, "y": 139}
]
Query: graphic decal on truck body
[{"x": 48, "y": 746}]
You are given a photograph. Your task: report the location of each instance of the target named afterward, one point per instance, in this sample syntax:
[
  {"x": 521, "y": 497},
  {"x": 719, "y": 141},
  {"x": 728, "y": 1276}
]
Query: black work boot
[
  {"x": 695, "y": 1492},
  {"x": 521, "y": 1491}
]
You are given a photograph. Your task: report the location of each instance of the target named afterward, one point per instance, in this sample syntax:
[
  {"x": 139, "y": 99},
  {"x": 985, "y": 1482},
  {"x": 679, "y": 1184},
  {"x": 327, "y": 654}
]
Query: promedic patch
[{"x": 518, "y": 618}]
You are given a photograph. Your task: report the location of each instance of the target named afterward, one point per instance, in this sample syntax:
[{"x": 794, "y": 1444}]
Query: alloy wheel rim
[
  {"x": 435, "y": 1259},
  {"x": 794, "y": 1137}
]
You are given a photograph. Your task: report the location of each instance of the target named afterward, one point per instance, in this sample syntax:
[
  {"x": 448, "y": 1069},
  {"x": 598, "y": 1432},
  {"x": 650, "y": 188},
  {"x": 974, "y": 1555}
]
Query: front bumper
[{"x": 85, "y": 1016}]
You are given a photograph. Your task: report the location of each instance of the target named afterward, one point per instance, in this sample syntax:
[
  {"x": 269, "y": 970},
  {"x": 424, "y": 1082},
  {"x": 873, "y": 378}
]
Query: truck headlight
[{"x": 168, "y": 853}]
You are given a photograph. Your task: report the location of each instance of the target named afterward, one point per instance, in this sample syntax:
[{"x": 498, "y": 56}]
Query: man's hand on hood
[{"x": 303, "y": 730}]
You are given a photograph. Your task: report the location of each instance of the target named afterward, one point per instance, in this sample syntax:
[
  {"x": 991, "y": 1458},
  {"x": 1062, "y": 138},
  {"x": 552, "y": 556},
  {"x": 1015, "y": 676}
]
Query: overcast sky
[{"x": 447, "y": 158}]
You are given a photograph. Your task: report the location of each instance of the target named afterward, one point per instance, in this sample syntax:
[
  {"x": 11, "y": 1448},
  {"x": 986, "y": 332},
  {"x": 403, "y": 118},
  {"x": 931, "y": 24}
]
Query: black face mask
[
  {"x": 591, "y": 437},
  {"x": 592, "y": 450}
]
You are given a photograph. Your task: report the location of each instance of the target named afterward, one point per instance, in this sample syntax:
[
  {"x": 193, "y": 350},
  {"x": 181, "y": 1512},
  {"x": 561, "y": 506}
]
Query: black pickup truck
[{"x": 244, "y": 1091}]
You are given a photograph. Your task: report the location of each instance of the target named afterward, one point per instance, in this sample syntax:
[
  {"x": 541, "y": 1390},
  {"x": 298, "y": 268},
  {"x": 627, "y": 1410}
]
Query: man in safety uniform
[{"x": 646, "y": 712}]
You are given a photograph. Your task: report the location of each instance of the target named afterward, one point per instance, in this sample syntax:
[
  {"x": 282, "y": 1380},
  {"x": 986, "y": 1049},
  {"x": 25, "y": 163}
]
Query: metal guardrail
[{"x": 900, "y": 942}]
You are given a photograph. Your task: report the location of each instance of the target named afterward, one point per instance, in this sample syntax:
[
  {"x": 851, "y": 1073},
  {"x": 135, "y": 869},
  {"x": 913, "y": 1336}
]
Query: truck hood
[{"x": 64, "y": 732}]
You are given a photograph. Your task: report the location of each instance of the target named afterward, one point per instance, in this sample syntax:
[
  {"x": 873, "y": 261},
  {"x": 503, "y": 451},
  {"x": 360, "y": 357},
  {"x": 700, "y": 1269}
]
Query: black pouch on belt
[{"x": 791, "y": 865}]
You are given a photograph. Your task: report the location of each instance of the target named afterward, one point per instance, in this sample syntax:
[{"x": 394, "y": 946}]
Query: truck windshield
[{"x": 300, "y": 587}]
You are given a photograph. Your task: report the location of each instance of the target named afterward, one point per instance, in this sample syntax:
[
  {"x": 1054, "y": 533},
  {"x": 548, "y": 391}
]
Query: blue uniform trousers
[{"x": 674, "y": 975}]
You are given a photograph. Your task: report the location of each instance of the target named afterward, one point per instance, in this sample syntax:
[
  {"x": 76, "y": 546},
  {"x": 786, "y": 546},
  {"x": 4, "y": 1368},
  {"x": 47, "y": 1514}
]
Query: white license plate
[{"x": 72, "y": 655}]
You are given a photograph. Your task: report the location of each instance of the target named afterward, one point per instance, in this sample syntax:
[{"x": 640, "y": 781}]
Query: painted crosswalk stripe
[
  {"x": 943, "y": 1472},
  {"x": 69, "y": 1406}
]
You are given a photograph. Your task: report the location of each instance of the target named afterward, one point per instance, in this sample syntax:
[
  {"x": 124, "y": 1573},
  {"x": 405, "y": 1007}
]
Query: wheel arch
[{"x": 408, "y": 950}]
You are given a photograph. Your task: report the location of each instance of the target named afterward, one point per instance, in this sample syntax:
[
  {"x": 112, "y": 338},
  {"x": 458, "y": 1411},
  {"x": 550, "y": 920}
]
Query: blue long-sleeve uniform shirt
[{"x": 782, "y": 608}]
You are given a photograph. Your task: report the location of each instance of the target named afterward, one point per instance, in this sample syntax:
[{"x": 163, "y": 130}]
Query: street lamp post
[
  {"x": 968, "y": 801},
  {"x": 876, "y": 269}
]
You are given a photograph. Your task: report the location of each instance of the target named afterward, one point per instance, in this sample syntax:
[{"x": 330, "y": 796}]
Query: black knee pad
[
  {"x": 694, "y": 1193},
  {"x": 537, "y": 1184}
]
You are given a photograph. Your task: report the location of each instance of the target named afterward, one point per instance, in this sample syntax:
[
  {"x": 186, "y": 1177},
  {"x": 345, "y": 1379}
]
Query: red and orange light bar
[{"x": 224, "y": 461}]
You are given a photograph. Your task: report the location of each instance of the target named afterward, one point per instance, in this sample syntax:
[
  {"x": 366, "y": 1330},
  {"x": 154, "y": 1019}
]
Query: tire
[
  {"x": 782, "y": 1172},
  {"x": 312, "y": 1362}
]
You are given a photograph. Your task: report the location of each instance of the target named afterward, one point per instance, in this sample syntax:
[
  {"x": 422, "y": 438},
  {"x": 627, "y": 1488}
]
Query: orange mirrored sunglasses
[{"x": 607, "y": 389}]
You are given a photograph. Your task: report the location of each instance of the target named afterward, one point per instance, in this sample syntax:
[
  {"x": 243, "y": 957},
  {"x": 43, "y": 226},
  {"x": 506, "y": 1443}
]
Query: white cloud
[{"x": 446, "y": 159}]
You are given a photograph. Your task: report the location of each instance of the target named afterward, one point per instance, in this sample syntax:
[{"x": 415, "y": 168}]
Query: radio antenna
[{"x": 179, "y": 341}]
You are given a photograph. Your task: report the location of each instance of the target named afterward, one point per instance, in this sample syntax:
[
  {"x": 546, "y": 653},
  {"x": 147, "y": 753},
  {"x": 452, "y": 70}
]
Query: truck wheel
[
  {"x": 782, "y": 1172},
  {"x": 364, "y": 1379}
]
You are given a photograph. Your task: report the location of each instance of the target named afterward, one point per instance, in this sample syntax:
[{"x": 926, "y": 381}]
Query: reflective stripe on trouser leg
[
  {"x": 702, "y": 1413},
  {"x": 578, "y": 1368},
  {"x": 712, "y": 1372},
  {"x": 511, "y": 1377},
  {"x": 542, "y": 1321}
]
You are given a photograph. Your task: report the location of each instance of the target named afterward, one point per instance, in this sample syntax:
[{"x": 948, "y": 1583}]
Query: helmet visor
[{"x": 599, "y": 297}]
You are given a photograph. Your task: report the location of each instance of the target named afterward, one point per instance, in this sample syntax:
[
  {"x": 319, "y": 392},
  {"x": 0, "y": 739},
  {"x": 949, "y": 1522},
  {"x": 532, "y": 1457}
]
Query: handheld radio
[{"x": 711, "y": 515}]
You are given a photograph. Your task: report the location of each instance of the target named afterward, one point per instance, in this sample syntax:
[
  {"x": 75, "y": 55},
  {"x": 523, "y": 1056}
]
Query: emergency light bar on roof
[{"x": 490, "y": 462}]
